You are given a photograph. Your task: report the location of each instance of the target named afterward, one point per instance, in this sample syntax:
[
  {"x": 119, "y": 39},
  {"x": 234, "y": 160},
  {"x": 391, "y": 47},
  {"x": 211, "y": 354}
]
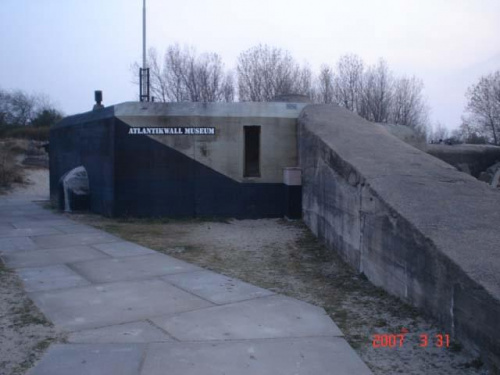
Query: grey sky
[{"x": 69, "y": 48}]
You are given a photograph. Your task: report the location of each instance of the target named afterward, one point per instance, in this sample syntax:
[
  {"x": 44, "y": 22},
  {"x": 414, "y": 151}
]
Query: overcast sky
[{"x": 69, "y": 48}]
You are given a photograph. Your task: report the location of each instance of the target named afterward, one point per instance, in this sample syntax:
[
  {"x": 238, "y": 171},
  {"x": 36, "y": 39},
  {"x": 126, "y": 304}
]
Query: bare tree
[
  {"x": 325, "y": 86},
  {"x": 377, "y": 93},
  {"x": 19, "y": 108},
  {"x": 408, "y": 104},
  {"x": 438, "y": 133},
  {"x": 483, "y": 105},
  {"x": 265, "y": 72},
  {"x": 470, "y": 133},
  {"x": 348, "y": 82},
  {"x": 184, "y": 76},
  {"x": 228, "y": 87}
]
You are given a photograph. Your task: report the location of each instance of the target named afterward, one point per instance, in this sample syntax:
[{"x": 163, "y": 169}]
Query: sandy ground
[
  {"x": 24, "y": 331},
  {"x": 36, "y": 186},
  {"x": 284, "y": 257}
]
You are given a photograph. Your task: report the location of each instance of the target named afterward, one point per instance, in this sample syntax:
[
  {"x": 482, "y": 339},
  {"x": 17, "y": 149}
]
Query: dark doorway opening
[{"x": 252, "y": 151}]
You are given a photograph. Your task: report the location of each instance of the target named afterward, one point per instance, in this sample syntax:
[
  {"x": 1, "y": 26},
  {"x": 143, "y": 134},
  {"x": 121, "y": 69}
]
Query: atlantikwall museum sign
[{"x": 172, "y": 131}]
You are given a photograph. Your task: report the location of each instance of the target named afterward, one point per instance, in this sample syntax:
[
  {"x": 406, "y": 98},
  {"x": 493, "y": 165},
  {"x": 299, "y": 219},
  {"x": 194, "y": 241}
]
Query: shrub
[
  {"x": 9, "y": 171},
  {"x": 39, "y": 133}
]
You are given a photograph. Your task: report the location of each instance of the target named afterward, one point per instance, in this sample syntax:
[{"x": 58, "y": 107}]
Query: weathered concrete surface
[
  {"x": 306, "y": 356},
  {"x": 123, "y": 249},
  {"x": 216, "y": 288},
  {"x": 407, "y": 135},
  {"x": 63, "y": 240},
  {"x": 46, "y": 257},
  {"x": 101, "y": 305},
  {"x": 262, "y": 318},
  {"x": 477, "y": 158},
  {"x": 127, "y": 333},
  {"x": 131, "y": 268},
  {"x": 111, "y": 323},
  {"x": 95, "y": 359},
  {"x": 49, "y": 278},
  {"x": 410, "y": 222}
]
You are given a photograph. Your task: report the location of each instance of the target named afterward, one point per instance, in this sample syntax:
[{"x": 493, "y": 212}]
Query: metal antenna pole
[
  {"x": 144, "y": 34},
  {"x": 144, "y": 71}
]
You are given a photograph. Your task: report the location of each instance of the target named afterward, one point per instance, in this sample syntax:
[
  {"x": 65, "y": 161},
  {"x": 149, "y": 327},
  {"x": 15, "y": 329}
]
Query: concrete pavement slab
[
  {"x": 131, "y": 268},
  {"x": 27, "y": 232},
  {"x": 46, "y": 257},
  {"x": 62, "y": 240},
  {"x": 128, "y": 333},
  {"x": 17, "y": 244},
  {"x": 115, "y": 359},
  {"x": 76, "y": 228},
  {"x": 123, "y": 249},
  {"x": 307, "y": 356},
  {"x": 215, "y": 287},
  {"x": 45, "y": 215},
  {"x": 33, "y": 223},
  {"x": 268, "y": 317},
  {"x": 108, "y": 304},
  {"x": 49, "y": 278}
]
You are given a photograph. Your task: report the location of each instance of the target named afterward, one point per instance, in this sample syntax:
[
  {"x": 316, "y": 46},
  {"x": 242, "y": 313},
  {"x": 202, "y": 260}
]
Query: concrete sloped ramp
[
  {"x": 130, "y": 310},
  {"x": 411, "y": 223}
]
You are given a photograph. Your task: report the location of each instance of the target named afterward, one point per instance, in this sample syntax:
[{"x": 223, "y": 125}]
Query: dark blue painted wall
[{"x": 86, "y": 140}]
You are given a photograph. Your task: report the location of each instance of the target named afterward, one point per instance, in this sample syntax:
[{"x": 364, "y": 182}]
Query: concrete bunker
[
  {"x": 184, "y": 159},
  {"x": 413, "y": 224}
]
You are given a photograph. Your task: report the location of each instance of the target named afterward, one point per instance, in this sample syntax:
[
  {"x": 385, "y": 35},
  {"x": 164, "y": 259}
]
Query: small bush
[
  {"x": 9, "y": 171},
  {"x": 28, "y": 132}
]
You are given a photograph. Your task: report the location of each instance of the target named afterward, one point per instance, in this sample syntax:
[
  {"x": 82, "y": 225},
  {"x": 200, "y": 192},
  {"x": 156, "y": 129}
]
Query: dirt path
[{"x": 284, "y": 257}]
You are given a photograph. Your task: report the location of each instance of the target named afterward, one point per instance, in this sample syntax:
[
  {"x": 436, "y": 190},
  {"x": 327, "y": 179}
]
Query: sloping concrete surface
[
  {"x": 132, "y": 311},
  {"x": 410, "y": 222}
]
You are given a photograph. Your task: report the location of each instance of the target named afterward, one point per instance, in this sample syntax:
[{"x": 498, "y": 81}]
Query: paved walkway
[{"x": 130, "y": 310}]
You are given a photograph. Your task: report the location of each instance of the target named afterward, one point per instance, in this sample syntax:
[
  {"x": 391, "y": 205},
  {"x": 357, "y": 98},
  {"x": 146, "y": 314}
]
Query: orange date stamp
[{"x": 397, "y": 340}]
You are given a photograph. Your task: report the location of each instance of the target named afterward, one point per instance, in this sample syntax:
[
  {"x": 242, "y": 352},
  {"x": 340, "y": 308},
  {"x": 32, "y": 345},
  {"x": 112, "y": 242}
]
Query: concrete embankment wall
[
  {"x": 476, "y": 158},
  {"x": 411, "y": 223}
]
